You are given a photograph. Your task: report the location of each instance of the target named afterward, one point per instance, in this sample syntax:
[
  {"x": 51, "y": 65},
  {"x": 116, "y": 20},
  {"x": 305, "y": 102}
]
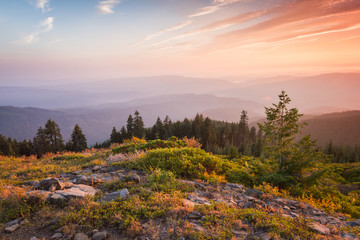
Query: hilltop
[{"x": 166, "y": 190}]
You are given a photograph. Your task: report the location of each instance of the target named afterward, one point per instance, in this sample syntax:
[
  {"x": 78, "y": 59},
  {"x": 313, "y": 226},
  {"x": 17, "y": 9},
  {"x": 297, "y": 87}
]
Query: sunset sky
[{"x": 98, "y": 39}]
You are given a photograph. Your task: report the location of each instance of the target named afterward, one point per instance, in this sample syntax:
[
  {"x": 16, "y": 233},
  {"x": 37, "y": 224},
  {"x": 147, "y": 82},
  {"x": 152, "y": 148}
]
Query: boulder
[
  {"x": 81, "y": 236},
  {"x": 123, "y": 193},
  {"x": 254, "y": 192},
  {"x": 319, "y": 228},
  {"x": 38, "y": 194},
  {"x": 12, "y": 228},
  {"x": 77, "y": 191},
  {"x": 194, "y": 215},
  {"x": 87, "y": 180},
  {"x": 134, "y": 177},
  {"x": 56, "y": 236},
  {"x": 31, "y": 183},
  {"x": 100, "y": 236},
  {"x": 13, "y": 222},
  {"x": 47, "y": 183}
]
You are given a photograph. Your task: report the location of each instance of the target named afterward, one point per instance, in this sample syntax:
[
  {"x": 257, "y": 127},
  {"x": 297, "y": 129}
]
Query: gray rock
[
  {"x": 56, "y": 236},
  {"x": 253, "y": 192},
  {"x": 100, "y": 236},
  {"x": 348, "y": 236},
  {"x": 319, "y": 228},
  {"x": 355, "y": 223},
  {"x": 123, "y": 193},
  {"x": 194, "y": 215},
  {"x": 134, "y": 178},
  {"x": 264, "y": 236},
  {"x": 87, "y": 180},
  {"x": 34, "y": 238},
  {"x": 31, "y": 183},
  {"x": 36, "y": 194},
  {"x": 81, "y": 236},
  {"x": 12, "y": 228},
  {"x": 235, "y": 186},
  {"x": 56, "y": 198},
  {"x": 46, "y": 184},
  {"x": 77, "y": 191},
  {"x": 13, "y": 222}
]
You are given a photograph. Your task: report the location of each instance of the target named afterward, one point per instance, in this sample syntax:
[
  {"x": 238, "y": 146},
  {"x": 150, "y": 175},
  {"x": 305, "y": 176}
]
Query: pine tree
[
  {"x": 139, "y": 130},
  {"x": 41, "y": 143},
  {"x": 115, "y": 136},
  {"x": 130, "y": 126},
  {"x": 158, "y": 129},
  {"x": 78, "y": 139},
  {"x": 280, "y": 128},
  {"x": 53, "y": 135}
]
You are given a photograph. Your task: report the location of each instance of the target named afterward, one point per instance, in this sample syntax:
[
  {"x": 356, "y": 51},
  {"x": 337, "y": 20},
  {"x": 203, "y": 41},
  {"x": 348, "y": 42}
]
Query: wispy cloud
[
  {"x": 45, "y": 26},
  {"x": 44, "y": 5},
  {"x": 106, "y": 6},
  {"x": 214, "y": 7}
]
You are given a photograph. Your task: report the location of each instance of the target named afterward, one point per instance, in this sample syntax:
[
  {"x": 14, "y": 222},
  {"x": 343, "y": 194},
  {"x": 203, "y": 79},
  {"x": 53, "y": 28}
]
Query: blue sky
[{"x": 54, "y": 40}]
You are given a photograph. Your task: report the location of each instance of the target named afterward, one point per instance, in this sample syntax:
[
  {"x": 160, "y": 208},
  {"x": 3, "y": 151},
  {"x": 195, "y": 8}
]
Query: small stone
[
  {"x": 264, "y": 236},
  {"x": 188, "y": 203},
  {"x": 31, "y": 183},
  {"x": 60, "y": 229},
  {"x": 135, "y": 178},
  {"x": 353, "y": 223},
  {"x": 81, "y": 236},
  {"x": 242, "y": 233},
  {"x": 34, "y": 238},
  {"x": 13, "y": 222},
  {"x": 97, "y": 168},
  {"x": 100, "y": 236},
  {"x": 123, "y": 193},
  {"x": 56, "y": 236},
  {"x": 253, "y": 192},
  {"x": 235, "y": 186},
  {"x": 286, "y": 208},
  {"x": 194, "y": 215},
  {"x": 46, "y": 184},
  {"x": 317, "y": 227},
  {"x": 77, "y": 191},
  {"x": 23, "y": 222},
  {"x": 12, "y": 228}
]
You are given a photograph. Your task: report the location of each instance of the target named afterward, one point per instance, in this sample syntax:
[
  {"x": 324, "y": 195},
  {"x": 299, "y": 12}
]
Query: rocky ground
[{"x": 90, "y": 181}]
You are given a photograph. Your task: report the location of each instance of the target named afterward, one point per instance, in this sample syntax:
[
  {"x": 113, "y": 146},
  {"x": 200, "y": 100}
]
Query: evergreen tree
[
  {"x": 5, "y": 146},
  {"x": 168, "y": 130},
  {"x": 41, "y": 143},
  {"x": 115, "y": 136},
  {"x": 78, "y": 139},
  {"x": 130, "y": 126},
  {"x": 54, "y": 137},
  {"x": 139, "y": 130},
  {"x": 158, "y": 129},
  {"x": 280, "y": 128}
]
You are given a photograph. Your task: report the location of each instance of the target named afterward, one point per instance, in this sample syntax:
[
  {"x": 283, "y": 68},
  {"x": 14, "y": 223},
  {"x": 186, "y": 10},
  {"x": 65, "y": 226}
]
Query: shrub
[{"x": 191, "y": 163}]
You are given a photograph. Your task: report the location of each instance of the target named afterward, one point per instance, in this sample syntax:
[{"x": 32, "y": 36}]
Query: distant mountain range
[
  {"x": 99, "y": 105},
  {"x": 22, "y": 123},
  {"x": 341, "y": 128}
]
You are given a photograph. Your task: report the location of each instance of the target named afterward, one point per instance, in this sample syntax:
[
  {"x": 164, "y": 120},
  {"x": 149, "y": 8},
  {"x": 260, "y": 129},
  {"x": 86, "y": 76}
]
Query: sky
[{"x": 60, "y": 40}]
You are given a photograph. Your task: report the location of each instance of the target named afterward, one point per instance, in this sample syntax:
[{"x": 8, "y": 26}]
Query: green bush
[
  {"x": 191, "y": 163},
  {"x": 164, "y": 181},
  {"x": 240, "y": 176}
]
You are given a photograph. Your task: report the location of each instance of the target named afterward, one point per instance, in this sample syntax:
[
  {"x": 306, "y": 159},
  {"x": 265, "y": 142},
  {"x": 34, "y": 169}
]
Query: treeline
[
  {"x": 215, "y": 136},
  {"x": 342, "y": 154},
  {"x": 48, "y": 139}
]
